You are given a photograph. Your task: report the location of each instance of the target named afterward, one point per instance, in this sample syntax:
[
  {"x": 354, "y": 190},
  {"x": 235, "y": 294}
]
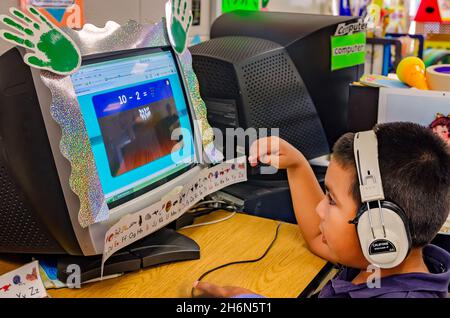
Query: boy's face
[{"x": 335, "y": 211}]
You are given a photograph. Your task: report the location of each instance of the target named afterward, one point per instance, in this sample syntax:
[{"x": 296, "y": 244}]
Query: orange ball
[{"x": 411, "y": 71}]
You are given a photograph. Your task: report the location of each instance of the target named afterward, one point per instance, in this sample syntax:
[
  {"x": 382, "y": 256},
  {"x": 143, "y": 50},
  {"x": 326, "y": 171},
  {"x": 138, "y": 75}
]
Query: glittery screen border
[{"x": 75, "y": 145}]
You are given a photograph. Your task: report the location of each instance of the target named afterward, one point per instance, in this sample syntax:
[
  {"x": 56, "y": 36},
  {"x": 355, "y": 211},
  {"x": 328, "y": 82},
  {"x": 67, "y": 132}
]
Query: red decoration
[{"x": 428, "y": 12}]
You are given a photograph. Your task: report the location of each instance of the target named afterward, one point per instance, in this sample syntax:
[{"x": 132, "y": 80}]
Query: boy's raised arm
[{"x": 305, "y": 189}]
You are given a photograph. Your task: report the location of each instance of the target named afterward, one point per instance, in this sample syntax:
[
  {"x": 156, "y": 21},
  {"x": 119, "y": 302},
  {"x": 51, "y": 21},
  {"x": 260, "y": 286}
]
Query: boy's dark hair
[{"x": 415, "y": 168}]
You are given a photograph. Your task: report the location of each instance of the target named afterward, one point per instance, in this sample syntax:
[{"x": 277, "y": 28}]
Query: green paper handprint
[
  {"x": 180, "y": 23},
  {"x": 232, "y": 5},
  {"x": 51, "y": 48}
]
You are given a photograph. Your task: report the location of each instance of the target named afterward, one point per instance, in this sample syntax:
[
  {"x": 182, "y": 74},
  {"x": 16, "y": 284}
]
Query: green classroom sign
[
  {"x": 232, "y": 5},
  {"x": 348, "y": 50}
]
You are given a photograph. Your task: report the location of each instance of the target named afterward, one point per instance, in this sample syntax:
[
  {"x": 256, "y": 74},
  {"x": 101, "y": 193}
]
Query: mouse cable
[{"x": 241, "y": 262}]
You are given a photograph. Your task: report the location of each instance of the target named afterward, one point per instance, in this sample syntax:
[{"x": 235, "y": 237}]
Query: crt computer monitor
[
  {"x": 273, "y": 70},
  {"x": 131, "y": 103}
]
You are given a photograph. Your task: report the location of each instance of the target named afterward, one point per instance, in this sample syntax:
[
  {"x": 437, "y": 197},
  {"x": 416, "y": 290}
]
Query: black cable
[
  {"x": 240, "y": 262},
  {"x": 210, "y": 210},
  {"x": 198, "y": 211}
]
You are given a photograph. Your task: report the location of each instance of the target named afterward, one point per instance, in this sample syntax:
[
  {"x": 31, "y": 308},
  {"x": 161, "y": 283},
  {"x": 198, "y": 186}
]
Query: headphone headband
[
  {"x": 385, "y": 240},
  {"x": 367, "y": 166}
]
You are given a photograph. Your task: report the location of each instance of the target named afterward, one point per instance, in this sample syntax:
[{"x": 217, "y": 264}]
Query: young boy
[{"x": 415, "y": 170}]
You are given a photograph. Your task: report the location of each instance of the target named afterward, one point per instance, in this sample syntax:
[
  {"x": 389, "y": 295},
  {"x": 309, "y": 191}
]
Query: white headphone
[{"x": 385, "y": 239}]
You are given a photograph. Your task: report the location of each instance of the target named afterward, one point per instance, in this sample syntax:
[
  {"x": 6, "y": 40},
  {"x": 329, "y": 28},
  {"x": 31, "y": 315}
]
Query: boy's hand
[
  {"x": 214, "y": 291},
  {"x": 276, "y": 152}
]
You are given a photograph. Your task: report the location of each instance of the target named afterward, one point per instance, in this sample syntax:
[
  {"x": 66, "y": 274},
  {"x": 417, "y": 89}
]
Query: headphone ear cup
[
  {"x": 384, "y": 251},
  {"x": 389, "y": 205}
]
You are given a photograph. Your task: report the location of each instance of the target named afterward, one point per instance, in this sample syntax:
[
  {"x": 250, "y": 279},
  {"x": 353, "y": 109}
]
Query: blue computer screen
[{"x": 131, "y": 107}]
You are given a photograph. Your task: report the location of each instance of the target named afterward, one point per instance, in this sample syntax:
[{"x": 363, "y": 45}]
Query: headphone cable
[{"x": 241, "y": 262}]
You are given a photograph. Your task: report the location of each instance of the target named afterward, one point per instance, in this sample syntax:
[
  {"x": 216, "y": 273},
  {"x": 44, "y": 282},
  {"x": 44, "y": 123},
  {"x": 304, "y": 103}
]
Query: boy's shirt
[{"x": 412, "y": 285}]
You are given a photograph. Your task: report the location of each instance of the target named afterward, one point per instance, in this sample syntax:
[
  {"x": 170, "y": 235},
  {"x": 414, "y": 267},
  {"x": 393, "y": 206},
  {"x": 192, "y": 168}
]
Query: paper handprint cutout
[
  {"x": 51, "y": 49},
  {"x": 179, "y": 21}
]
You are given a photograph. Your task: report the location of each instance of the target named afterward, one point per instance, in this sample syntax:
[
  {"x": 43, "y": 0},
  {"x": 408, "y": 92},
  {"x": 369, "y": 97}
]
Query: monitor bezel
[{"x": 105, "y": 57}]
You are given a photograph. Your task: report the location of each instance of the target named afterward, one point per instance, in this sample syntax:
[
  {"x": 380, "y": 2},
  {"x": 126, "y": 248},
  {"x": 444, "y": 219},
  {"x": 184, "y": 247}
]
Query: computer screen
[{"x": 131, "y": 104}]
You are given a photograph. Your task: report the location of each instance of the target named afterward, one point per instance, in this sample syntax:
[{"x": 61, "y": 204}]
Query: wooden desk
[{"x": 285, "y": 272}]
